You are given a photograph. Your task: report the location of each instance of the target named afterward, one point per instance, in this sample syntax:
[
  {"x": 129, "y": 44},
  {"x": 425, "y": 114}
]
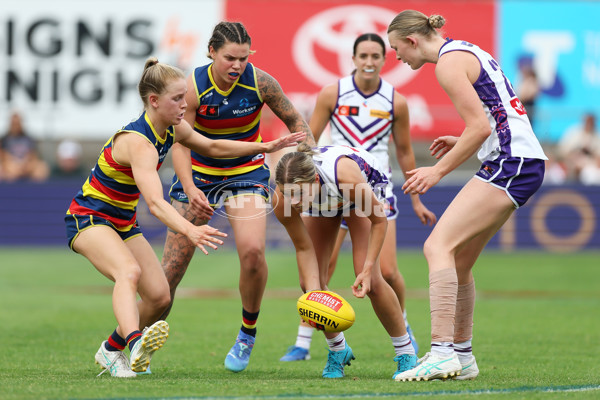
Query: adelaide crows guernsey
[
  {"x": 512, "y": 135},
  {"x": 110, "y": 191},
  {"x": 233, "y": 115},
  {"x": 332, "y": 196},
  {"x": 361, "y": 120}
]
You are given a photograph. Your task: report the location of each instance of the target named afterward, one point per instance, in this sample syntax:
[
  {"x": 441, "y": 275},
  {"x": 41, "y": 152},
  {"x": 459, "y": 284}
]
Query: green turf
[{"x": 536, "y": 332}]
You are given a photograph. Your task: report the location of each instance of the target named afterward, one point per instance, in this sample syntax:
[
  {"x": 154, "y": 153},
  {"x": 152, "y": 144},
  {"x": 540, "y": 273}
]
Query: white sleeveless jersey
[
  {"x": 512, "y": 135},
  {"x": 360, "y": 120},
  {"x": 331, "y": 195}
]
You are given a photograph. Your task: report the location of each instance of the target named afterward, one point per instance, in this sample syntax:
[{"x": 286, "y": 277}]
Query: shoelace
[
  {"x": 332, "y": 363},
  {"x": 109, "y": 366}
]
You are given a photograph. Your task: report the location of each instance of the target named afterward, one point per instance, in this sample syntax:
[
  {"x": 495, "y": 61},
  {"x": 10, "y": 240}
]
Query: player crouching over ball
[{"x": 316, "y": 187}]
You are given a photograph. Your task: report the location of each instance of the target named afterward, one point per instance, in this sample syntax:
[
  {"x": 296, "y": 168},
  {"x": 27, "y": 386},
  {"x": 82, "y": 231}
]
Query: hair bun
[{"x": 436, "y": 21}]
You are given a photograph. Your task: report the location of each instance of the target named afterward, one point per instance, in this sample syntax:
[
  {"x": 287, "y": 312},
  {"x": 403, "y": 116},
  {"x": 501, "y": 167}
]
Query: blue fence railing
[{"x": 557, "y": 218}]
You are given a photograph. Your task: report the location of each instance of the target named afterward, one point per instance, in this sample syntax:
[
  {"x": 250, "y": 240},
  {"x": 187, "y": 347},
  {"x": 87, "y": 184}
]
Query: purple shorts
[
  {"x": 391, "y": 210},
  {"x": 519, "y": 177}
]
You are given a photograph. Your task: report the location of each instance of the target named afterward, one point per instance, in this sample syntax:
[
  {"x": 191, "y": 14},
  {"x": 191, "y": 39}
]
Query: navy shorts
[
  {"x": 519, "y": 177},
  {"x": 217, "y": 189},
  {"x": 79, "y": 223}
]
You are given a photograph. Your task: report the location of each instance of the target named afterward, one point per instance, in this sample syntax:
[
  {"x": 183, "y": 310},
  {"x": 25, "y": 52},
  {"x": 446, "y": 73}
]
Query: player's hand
[
  {"x": 362, "y": 285},
  {"x": 442, "y": 145},
  {"x": 199, "y": 204},
  {"x": 424, "y": 214},
  {"x": 204, "y": 235},
  {"x": 420, "y": 180},
  {"x": 285, "y": 141}
]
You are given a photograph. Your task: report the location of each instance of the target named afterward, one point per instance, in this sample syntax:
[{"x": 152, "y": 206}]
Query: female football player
[{"x": 496, "y": 123}]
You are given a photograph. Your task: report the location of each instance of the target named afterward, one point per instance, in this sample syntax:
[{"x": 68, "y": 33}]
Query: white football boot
[
  {"x": 432, "y": 366},
  {"x": 153, "y": 338},
  {"x": 469, "y": 369},
  {"x": 114, "y": 361}
]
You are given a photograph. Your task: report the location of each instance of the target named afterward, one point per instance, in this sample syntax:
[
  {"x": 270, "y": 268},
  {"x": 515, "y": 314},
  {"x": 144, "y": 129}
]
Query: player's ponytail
[{"x": 155, "y": 78}]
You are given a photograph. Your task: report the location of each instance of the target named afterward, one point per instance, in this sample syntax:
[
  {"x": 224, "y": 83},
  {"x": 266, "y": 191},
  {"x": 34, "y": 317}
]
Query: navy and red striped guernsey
[
  {"x": 110, "y": 191},
  {"x": 233, "y": 115}
]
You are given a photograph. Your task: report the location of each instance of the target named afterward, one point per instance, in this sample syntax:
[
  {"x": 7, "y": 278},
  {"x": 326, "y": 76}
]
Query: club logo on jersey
[
  {"x": 518, "y": 106},
  {"x": 380, "y": 114},
  {"x": 209, "y": 110},
  {"x": 346, "y": 111}
]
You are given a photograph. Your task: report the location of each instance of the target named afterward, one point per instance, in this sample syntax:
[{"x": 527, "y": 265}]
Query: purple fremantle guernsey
[
  {"x": 512, "y": 135},
  {"x": 361, "y": 120},
  {"x": 326, "y": 162}
]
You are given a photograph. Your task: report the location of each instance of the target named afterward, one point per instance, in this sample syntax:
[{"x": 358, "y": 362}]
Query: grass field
[{"x": 536, "y": 332}]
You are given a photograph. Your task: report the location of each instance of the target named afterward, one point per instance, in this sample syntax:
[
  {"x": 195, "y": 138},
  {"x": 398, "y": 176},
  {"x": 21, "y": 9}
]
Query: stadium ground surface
[{"x": 536, "y": 332}]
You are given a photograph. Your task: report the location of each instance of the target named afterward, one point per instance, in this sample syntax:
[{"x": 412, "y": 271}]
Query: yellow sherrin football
[{"x": 326, "y": 311}]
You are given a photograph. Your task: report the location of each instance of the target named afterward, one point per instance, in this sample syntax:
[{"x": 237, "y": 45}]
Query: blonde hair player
[
  {"x": 512, "y": 170},
  {"x": 101, "y": 220},
  {"x": 315, "y": 189},
  {"x": 365, "y": 111}
]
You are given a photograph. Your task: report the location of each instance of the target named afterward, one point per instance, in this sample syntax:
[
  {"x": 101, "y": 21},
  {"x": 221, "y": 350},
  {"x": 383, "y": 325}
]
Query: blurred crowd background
[{"x": 69, "y": 72}]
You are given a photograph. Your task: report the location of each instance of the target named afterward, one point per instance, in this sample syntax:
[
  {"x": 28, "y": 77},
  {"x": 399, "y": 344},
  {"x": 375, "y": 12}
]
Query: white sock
[
  {"x": 337, "y": 343},
  {"x": 464, "y": 351},
  {"x": 402, "y": 345},
  {"x": 304, "y": 337},
  {"x": 442, "y": 349}
]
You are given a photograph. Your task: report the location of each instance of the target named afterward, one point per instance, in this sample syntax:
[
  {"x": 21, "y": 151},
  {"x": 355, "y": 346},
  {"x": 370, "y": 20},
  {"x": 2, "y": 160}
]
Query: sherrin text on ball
[{"x": 326, "y": 311}]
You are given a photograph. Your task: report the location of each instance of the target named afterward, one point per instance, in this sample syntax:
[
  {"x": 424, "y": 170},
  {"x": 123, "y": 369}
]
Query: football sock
[
  {"x": 132, "y": 339},
  {"x": 464, "y": 351},
  {"x": 249, "y": 322},
  {"x": 465, "y": 304},
  {"x": 304, "y": 337},
  {"x": 115, "y": 342},
  {"x": 443, "y": 288},
  {"x": 402, "y": 345},
  {"x": 337, "y": 343},
  {"x": 442, "y": 349}
]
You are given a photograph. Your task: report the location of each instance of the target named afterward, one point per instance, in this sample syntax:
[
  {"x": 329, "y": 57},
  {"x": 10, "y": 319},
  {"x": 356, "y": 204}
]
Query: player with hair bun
[
  {"x": 101, "y": 220},
  {"x": 512, "y": 170},
  {"x": 315, "y": 188}
]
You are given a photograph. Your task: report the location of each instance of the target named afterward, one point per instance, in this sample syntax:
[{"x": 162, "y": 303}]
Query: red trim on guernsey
[
  {"x": 260, "y": 161},
  {"x": 359, "y": 140},
  {"x": 227, "y": 123},
  {"x": 75, "y": 208},
  {"x": 118, "y": 167},
  {"x": 113, "y": 194}
]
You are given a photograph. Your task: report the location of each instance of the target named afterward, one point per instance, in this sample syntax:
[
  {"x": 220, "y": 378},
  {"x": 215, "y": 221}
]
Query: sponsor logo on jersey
[
  {"x": 211, "y": 110},
  {"x": 347, "y": 110},
  {"x": 380, "y": 114},
  {"x": 248, "y": 110}
]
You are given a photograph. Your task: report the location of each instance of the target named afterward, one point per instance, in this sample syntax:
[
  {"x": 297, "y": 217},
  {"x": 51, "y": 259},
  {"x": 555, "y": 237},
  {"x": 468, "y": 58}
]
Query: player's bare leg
[
  {"x": 178, "y": 252},
  {"x": 247, "y": 216}
]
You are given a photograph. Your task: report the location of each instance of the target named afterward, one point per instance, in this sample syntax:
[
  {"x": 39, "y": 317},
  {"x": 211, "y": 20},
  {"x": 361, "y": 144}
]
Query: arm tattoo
[{"x": 273, "y": 96}]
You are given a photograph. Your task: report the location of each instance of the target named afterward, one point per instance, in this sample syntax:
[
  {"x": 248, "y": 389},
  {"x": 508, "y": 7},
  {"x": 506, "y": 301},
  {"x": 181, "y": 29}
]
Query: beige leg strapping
[
  {"x": 443, "y": 288},
  {"x": 465, "y": 304}
]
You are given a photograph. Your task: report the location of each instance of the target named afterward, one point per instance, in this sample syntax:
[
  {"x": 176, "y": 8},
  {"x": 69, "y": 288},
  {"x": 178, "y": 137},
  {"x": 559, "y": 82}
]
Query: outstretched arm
[
  {"x": 273, "y": 96},
  {"x": 456, "y": 72},
  {"x": 366, "y": 202}
]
